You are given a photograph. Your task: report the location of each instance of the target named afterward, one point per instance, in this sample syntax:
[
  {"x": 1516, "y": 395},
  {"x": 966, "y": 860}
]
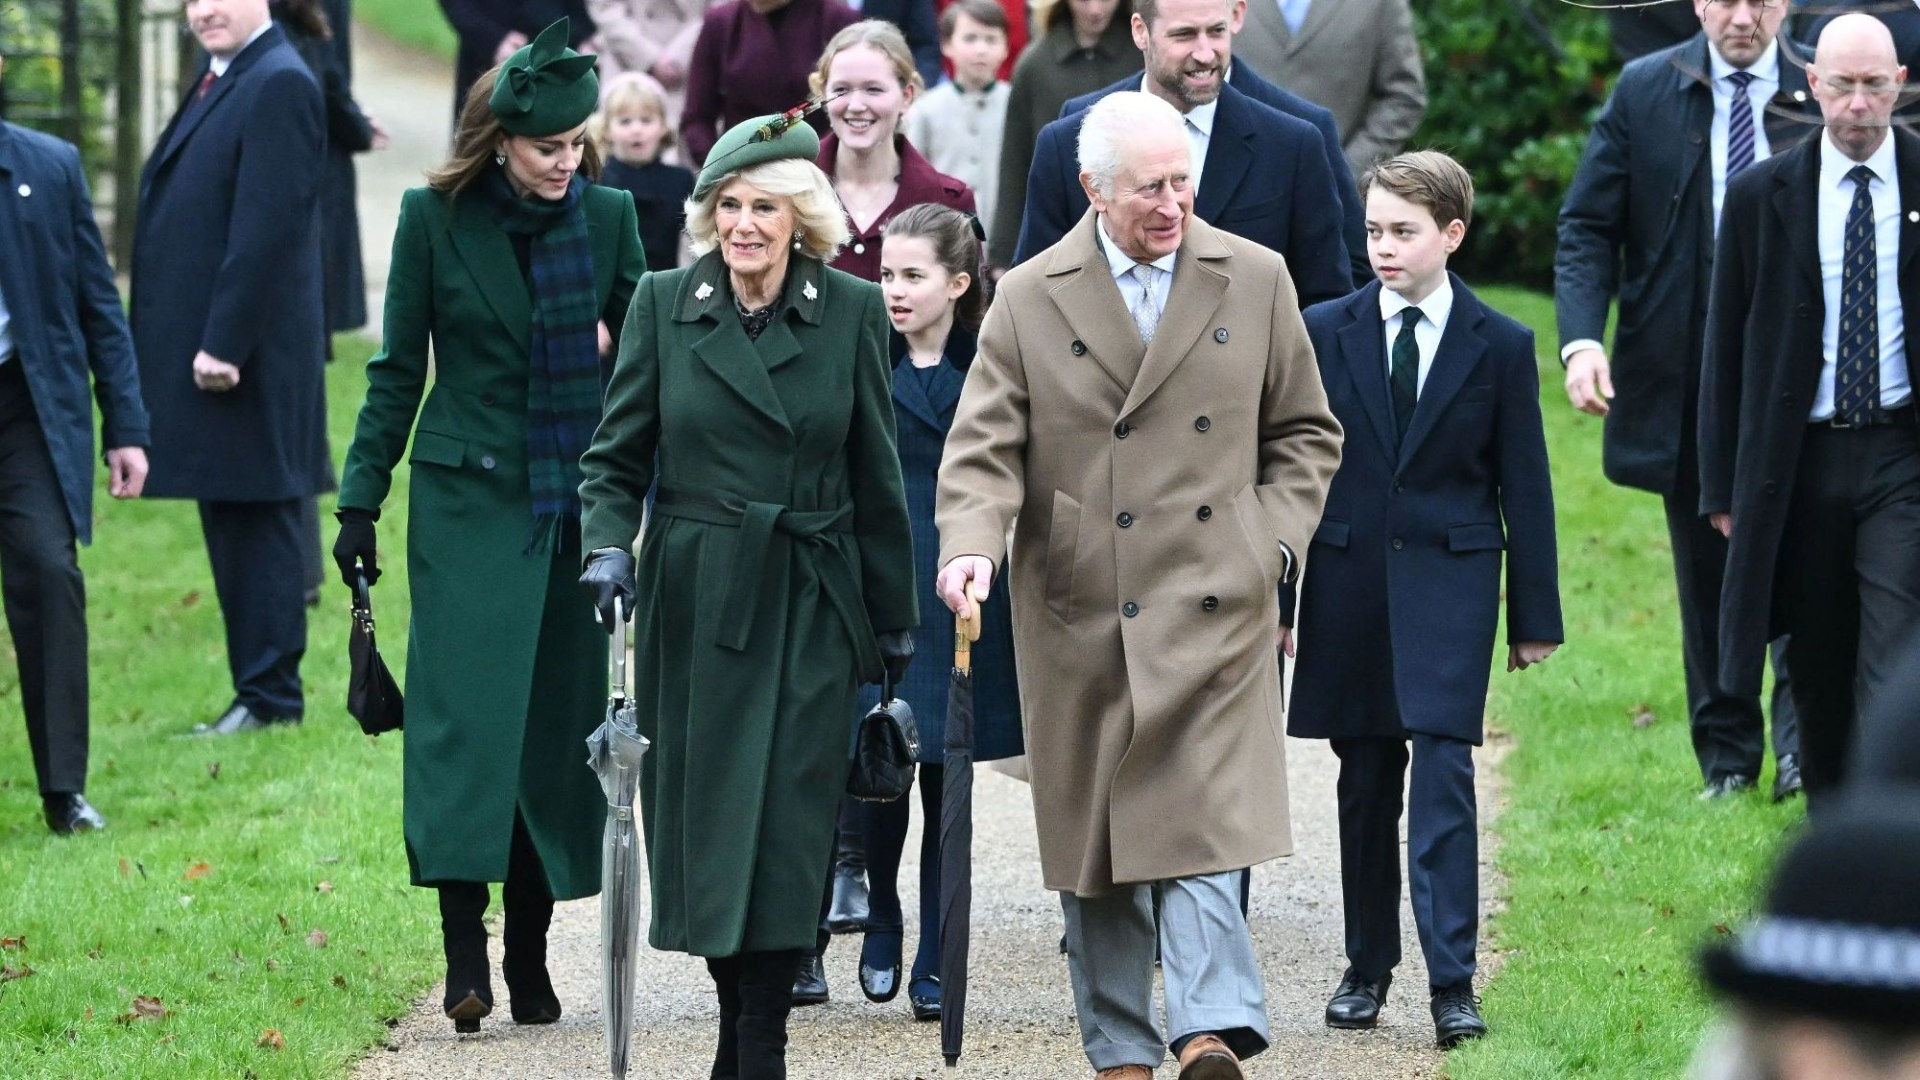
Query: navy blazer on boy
[
  {"x": 1405, "y": 566},
  {"x": 1266, "y": 179}
]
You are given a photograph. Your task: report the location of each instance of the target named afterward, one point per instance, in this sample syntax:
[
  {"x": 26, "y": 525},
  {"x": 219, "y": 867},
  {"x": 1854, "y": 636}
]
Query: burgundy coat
[
  {"x": 920, "y": 183},
  {"x": 746, "y": 64}
]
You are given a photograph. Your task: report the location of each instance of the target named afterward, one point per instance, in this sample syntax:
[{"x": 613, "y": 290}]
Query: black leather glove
[
  {"x": 609, "y": 576},
  {"x": 355, "y": 542},
  {"x": 896, "y": 651}
]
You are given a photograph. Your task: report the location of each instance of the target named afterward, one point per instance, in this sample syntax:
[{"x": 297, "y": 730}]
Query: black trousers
[
  {"x": 1443, "y": 853},
  {"x": 1847, "y": 581},
  {"x": 260, "y": 576},
  {"x": 43, "y": 592},
  {"x": 1729, "y": 731}
]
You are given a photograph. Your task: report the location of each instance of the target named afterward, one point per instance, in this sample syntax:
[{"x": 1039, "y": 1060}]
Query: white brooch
[
  {"x": 1799, "y": 95},
  {"x": 1913, "y": 215},
  {"x": 810, "y": 292},
  {"x": 705, "y": 290},
  {"x": 25, "y": 191}
]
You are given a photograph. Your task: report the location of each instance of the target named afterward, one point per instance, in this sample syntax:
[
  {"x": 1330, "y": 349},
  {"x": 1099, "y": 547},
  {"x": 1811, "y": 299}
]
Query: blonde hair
[
  {"x": 882, "y": 37},
  {"x": 1426, "y": 178},
  {"x": 816, "y": 210},
  {"x": 630, "y": 91}
]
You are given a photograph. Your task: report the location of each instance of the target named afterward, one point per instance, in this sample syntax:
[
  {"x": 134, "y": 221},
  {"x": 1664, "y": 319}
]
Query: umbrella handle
[
  {"x": 966, "y": 630},
  {"x": 617, "y": 653}
]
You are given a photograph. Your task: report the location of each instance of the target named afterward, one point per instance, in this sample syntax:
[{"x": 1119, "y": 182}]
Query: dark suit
[
  {"x": 1265, "y": 179},
  {"x": 227, "y": 261},
  {"x": 920, "y": 26},
  {"x": 1400, "y": 601},
  {"x": 1824, "y": 519},
  {"x": 481, "y": 24},
  {"x": 1902, "y": 21},
  {"x": 65, "y": 323},
  {"x": 1638, "y": 224}
]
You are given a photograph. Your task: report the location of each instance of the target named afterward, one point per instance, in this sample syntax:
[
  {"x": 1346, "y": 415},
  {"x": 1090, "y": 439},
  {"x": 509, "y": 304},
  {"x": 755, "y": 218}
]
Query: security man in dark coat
[
  {"x": 229, "y": 323},
  {"x": 1638, "y": 224},
  {"x": 60, "y": 322}
]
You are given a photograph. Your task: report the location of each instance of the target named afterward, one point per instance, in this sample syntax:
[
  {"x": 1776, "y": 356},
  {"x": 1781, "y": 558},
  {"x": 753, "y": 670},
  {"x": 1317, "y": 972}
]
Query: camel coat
[{"x": 1161, "y": 493}]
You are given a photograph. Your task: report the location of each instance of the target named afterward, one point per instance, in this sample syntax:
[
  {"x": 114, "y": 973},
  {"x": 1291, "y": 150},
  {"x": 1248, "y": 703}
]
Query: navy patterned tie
[
  {"x": 1856, "y": 371},
  {"x": 1405, "y": 376},
  {"x": 1739, "y": 125}
]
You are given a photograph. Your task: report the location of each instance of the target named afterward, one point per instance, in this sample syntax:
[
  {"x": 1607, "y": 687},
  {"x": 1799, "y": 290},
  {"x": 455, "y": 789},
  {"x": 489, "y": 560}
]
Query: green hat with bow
[
  {"x": 545, "y": 88},
  {"x": 774, "y": 137}
]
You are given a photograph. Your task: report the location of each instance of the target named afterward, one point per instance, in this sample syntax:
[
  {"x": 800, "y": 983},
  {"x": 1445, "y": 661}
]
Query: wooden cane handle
[{"x": 966, "y": 629}]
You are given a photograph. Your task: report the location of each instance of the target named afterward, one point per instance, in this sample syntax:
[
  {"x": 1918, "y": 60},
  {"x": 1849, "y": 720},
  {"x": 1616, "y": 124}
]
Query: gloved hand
[
  {"x": 356, "y": 542},
  {"x": 610, "y": 575},
  {"x": 896, "y": 651}
]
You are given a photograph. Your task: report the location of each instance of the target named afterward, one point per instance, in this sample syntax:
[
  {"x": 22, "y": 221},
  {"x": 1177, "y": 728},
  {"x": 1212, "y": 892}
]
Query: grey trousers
[{"x": 1212, "y": 979}]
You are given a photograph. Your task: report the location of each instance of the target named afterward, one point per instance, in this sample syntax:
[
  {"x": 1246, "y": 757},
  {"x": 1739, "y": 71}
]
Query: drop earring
[
  {"x": 499, "y": 158},
  {"x": 797, "y": 237}
]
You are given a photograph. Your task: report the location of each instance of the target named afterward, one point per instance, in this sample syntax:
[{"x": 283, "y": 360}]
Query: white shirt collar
[
  {"x": 1436, "y": 307},
  {"x": 1200, "y": 116},
  {"x": 220, "y": 64},
  {"x": 1834, "y": 165},
  {"x": 1119, "y": 262},
  {"x": 1764, "y": 69}
]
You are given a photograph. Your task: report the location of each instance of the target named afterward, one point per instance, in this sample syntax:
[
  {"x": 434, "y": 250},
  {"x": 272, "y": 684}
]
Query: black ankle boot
[
  {"x": 726, "y": 988},
  {"x": 464, "y": 938},
  {"x": 529, "y": 913},
  {"x": 766, "y": 997}
]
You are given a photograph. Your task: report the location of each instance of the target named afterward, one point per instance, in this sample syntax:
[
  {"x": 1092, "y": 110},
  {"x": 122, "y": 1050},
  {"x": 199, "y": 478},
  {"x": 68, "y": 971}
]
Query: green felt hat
[
  {"x": 545, "y": 88},
  {"x": 774, "y": 137}
]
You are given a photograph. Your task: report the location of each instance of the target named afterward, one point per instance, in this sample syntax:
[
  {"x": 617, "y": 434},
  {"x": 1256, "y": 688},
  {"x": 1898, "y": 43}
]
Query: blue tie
[
  {"x": 1295, "y": 12},
  {"x": 1856, "y": 371},
  {"x": 1739, "y": 125}
]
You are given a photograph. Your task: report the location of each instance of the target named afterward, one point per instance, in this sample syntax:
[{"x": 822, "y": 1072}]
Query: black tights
[{"x": 755, "y": 990}]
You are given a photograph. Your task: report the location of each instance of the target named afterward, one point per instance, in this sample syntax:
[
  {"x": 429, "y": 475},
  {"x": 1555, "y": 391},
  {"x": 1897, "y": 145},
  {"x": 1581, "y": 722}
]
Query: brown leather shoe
[
  {"x": 1125, "y": 1072},
  {"x": 1207, "y": 1058}
]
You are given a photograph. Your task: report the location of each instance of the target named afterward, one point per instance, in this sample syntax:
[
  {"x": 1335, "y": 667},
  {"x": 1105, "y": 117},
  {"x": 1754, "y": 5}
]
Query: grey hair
[
  {"x": 816, "y": 209},
  {"x": 1110, "y": 123}
]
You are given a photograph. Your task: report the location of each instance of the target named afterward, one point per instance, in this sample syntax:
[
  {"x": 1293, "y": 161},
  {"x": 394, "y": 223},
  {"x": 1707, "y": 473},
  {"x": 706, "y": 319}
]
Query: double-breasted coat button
[
  {"x": 1202, "y": 424},
  {"x": 486, "y": 399},
  {"x": 1079, "y": 347},
  {"x": 1210, "y": 603},
  {"x": 1122, "y": 429},
  {"x": 1205, "y": 513},
  {"x": 1125, "y": 519},
  {"x": 1129, "y": 609},
  {"x": 486, "y": 461},
  {"x": 1769, "y": 487},
  {"x": 1399, "y": 487},
  {"x": 1220, "y": 335},
  {"x": 1398, "y": 543}
]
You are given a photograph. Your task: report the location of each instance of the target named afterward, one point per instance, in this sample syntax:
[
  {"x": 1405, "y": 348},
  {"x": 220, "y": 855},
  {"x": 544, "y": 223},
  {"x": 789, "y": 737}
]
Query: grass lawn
[
  {"x": 253, "y": 885},
  {"x": 1616, "y": 874},
  {"x": 415, "y": 23}
]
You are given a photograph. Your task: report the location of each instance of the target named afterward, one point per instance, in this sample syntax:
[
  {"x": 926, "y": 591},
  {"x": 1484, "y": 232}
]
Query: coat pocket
[
  {"x": 434, "y": 448},
  {"x": 1478, "y": 536},
  {"x": 1063, "y": 551},
  {"x": 1259, "y": 535},
  {"x": 1333, "y": 534}
]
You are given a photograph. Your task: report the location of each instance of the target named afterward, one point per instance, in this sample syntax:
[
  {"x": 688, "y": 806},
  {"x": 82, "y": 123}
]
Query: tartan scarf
[{"x": 563, "y": 375}]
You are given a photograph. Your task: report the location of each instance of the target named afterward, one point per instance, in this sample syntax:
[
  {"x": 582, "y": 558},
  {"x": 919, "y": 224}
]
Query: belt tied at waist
[{"x": 757, "y": 522}]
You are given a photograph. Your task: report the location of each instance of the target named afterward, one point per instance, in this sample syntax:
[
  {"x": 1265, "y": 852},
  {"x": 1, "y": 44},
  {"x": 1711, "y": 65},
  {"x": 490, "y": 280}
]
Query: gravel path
[{"x": 1021, "y": 1010}]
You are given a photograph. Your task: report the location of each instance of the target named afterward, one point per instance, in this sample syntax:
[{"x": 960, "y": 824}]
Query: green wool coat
[
  {"x": 506, "y": 668},
  {"x": 779, "y": 545}
]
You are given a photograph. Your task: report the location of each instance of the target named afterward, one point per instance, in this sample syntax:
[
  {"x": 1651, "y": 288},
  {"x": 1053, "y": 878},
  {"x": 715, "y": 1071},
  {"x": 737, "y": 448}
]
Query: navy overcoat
[
  {"x": 65, "y": 312},
  {"x": 226, "y": 259},
  {"x": 924, "y": 418},
  {"x": 1401, "y": 593}
]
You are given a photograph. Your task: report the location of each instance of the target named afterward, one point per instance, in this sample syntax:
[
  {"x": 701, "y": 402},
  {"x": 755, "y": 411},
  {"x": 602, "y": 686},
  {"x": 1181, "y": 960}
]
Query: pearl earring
[
  {"x": 499, "y": 158},
  {"x": 797, "y": 237}
]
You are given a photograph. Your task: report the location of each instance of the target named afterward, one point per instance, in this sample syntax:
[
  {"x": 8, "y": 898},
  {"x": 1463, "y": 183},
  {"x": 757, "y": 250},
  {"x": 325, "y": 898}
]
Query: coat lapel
[
  {"x": 1319, "y": 14},
  {"x": 1230, "y": 154},
  {"x": 1906, "y": 157},
  {"x": 489, "y": 258},
  {"x": 1693, "y": 89},
  {"x": 1363, "y": 351},
  {"x": 725, "y": 350},
  {"x": 1794, "y": 214},
  {"x": 1089, "y": 299},
  {"x": 192, "y": 114},
  {"x": 1791, "y": 116},
  {"x": 1200, "y": 281},
  {"x": 1461, "y": 348}
]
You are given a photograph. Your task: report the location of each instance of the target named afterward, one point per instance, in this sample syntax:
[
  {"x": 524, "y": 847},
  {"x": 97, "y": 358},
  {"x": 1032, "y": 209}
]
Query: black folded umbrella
[{"x": 956, "y": 837}]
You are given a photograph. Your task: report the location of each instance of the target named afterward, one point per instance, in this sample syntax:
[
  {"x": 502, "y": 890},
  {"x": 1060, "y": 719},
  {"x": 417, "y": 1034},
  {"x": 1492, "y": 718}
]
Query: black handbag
[
  {"x": 884, "y": 750},
  {"x": 372, "y": 696}
]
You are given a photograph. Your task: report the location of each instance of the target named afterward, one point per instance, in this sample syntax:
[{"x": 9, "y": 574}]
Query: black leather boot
[
  {"x": 766, "y": 997},
  {"x": 726, "y": 987},
  {"x": 464, "y": 938},
  {"x": 529, "y": 906}
]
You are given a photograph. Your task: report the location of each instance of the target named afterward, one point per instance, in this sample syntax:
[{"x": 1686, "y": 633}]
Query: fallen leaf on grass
[
  {"x": 272, "y": 964},
  {"x": 94, "y": 953},
  {"x": 272, "y": 1039},
  {"x": 1643, "y": 715},
  {"x": 213, "y": 769},
  {"x": 13, "y": 942},
  {"x": 9, "y": 973},
  {"x": 317, "y": 939},
  {"x": 126, "y": 869},
  {"x": 339, "y": 982},
  {"x": 144, "y": 1008},
  {"x": 324, "y": 887},
  {"x": 285, "y": 926},
  {"x": 299, "y": 1001},
  {"x": 196, "y": 872},
  {"x": 192, "y": 598},
  {"x": 1722, "y": 928},
  {"x": 328, "y": 860}
]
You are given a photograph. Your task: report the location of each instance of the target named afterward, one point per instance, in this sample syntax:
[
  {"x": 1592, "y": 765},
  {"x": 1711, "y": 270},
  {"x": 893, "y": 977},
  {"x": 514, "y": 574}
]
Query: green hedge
[{"x": 1513, "y": 86}]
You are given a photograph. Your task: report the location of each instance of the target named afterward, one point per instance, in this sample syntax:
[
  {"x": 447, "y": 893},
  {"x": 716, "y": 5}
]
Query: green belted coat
[
  {"x": 778, "y": 546},
  {"x": 506, "y": 668}
]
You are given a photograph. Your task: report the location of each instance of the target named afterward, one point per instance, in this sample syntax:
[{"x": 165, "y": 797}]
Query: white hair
[{"x": 1111, "y": 123}]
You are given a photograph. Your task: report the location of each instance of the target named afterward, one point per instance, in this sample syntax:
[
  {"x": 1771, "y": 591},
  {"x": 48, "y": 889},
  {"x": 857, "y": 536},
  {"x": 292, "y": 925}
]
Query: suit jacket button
[
  {"x": 1769, "y": 487},
  {"x": 1786, "y": 398},
  {"x": 1205, "y": 513},
  {"x": 1210, "y": 603},
  {"x": 1122, "y": 429},
  {"x": 1129, "y": 609},
  {"x": 1399, "y": 487},
  {"x": 1398, "y": 543},
  {"x": 486, "y": 399},
  {"x": 1079, "y": 348},
  {"x": 1124, "y": 520},
  {"x": 1202, "y": 424},
  {"x": 486, "y": 461}
]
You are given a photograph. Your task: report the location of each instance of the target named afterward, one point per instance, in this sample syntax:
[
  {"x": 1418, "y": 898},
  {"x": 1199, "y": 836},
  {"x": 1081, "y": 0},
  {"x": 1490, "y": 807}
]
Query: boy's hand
[{"x": 1523, "y": 655}]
